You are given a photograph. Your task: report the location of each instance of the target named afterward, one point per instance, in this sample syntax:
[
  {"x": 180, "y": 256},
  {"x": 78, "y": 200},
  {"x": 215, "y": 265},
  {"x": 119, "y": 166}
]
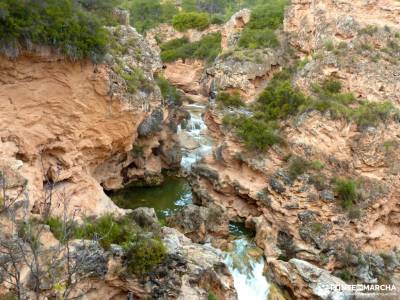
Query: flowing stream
[{"x": 244, "y": 259}]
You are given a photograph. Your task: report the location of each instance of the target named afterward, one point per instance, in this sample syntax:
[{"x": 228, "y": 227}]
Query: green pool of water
[
  {"x": 174, "y": 194},
  {"x": 239, "y": 230}
]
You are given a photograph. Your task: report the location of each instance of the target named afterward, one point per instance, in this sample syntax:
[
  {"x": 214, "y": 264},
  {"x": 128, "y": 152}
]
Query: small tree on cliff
[{"x": 21, "y": 246}]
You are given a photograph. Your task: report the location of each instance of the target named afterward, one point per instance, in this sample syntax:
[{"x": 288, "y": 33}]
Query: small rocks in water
[
  {"x": 187, "y": 141},
  {"x": 197, "y": 221},
  {"x": 255, "y": 252}
]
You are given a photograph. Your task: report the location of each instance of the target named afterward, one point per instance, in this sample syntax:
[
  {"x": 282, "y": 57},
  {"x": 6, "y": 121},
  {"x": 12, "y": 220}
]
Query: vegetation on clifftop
[
  {"x": 61, "y": 24},
  {"x": 169, "y": 92},
  {"x": 147, "y": 14},
  {"x": 281, "y": 100},
  {"x": 190, "y": 20},
  {"x": 265, "y": 19},
  {"x": 207, "y": 48},
  {"x": 143, "y": 249}
]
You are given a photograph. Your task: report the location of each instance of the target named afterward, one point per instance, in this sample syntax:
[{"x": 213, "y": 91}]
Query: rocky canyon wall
[{"x": 74, "y": 128}]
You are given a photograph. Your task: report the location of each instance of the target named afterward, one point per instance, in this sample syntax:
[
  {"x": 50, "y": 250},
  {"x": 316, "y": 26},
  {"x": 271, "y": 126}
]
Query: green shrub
[
  {"x": 269, "y": 15},
  {"x": 211, "y": 296},
  {"x": 280, "y": 99},
  {"x": 319, "y": 181},
  {"x": 329, "y": 100},
  {"x": 317, "y": 165},
  {"x": 297, "y": 167},
  {"x": 101, "y": 8},
  {"x": 9, "y": 296},
  {"x": 142, "y": 250},
  {"x": 371, "y": 113},
  {"x": 217, "y": 19},
  {"x": 363, "y": 113},
  {"x": 258, "y": 38},
  {"x": 190, "y": 20},
  {"x": 135, "y": 80},
  {"x": 317, "y": 228},
  {"x": 346, "y": 275},
  {"x": 147, "y": 14},
  {"x": 329, "y": 45},
  {"x": 332, "y": 86},
  {"x": 346, "y": 191},
  {"x": 60, "y": 24},
  {"x": 259, "y": 32},
  {"x": 228, "y": 100},
  {"x": 137, "y": 150},
  {"x": 207, "y": 48},
  {"x": 168, "y": 91},
  {"x": 143, "y": 253},
  {"x": 300, "y": 64},
  {"x": 257, "y": 135},
  {"x": 62, "y": 232},
  {"x": 174, "y": 44},
  {"x": 107, "y": 230},
  {"x": 369, "y": 30}
]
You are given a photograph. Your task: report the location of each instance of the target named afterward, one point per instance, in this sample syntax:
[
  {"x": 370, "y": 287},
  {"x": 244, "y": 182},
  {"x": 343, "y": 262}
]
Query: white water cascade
[
  {"x": 196, "y": 130},
  {"x": 246, "y": 269}
]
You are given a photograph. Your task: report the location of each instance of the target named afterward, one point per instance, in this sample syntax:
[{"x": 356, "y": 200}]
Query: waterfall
[{"x": 247, "y": 270}]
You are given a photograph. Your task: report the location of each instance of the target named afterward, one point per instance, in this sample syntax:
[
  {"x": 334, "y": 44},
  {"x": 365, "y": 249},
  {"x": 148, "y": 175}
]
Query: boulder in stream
[{"x": 198, "y": 222}]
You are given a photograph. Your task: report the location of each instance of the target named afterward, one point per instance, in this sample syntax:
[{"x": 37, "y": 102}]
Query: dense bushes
[
  {"x": 190, "y": 20},
  {"x": 207, "y": 48},
  {"x": 265, "y": 19},
  {"x": 299, "y": 166},
  {"x": 279, "y": 100},
  {"x": 255, "y": 134},
  {"x": 106, "y": 230},
  {"x": 168, "y": 91},
  {"x": 135, "y": 79},
  {"x": 372, "y": 114},
  {"x": 101, "y": 8},
  {"x": 146, "y": 14},
  {"x": 256, "y": 38},
  {"x": 143, "y": 250},
  {"x": 142, "y": 254},
  {"x": 60, "y": 24},
  {"x": 344, "y": 105},
  {"x": 346, "y": 191},
  {"x": 229, "y": 100}
]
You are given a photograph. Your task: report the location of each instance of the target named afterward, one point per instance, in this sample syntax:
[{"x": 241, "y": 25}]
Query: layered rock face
[
  {"x": 298, "y": 218},
  {"x": 243, "y": 71},
  {"x": 72, "y": 128},
  {"x": 355, "y": 41}
]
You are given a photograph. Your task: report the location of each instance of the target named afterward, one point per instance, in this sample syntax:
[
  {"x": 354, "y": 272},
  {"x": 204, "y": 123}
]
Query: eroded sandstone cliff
[
  {"x": 298, "y": 217},
  {"x": 76, "y": 128}
]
